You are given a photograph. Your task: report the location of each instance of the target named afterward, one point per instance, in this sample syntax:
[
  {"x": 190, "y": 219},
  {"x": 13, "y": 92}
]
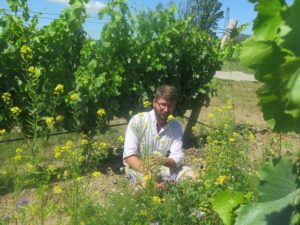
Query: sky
[{"x": 241, "y": 10}]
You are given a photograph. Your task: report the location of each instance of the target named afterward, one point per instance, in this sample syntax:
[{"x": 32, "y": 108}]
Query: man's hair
[{"x": 167, "y": 92}]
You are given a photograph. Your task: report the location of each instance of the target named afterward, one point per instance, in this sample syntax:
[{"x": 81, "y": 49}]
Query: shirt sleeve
[
  {"x": 176, "y": 149},
  {"x": 131, "y": 144}
]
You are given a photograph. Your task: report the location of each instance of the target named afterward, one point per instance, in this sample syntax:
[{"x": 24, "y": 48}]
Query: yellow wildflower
[
  {"x": 17, "y": 157},
  {"x": 220, "y": 109},
  {"x": 251, "y": 136},
  {"x": 235, "y": 134},
  {"x": 34, "y": 70},
  {"x": 15, "y": 110},
  {"x": 66, "y": 174},
  {"x": 74, "y": 97},
  {"x": 2, "y": 131},
  {"x": 96, "y": 194},
  {"x": 210, "y": 116},
  {"x": 156, "y": 199},
  {"x": 57, "y": 190},
  {"x": 231, "y": 139},
  {"x": 101, "y": 112},
  {"x": 26, "y": 52},
  {"x": 29, "y": 166},
  {"x": 69, "y": 143},
  {"x": 31, "y": 69},
  {"x": 144, "y": 212},
  {"x": 79, "y": 179},
  {"x": 94, "y": 144},
  {"x": 49, "y": 121},
  {"x": 84, "y": 141},
  {"x": 59, "y": 118},
  {"x": 96, "y": 174},
  {"x": 6, "y": 97},
  {"x": 147, "y": 177},
  {"x": 170, "y": 117},
  {"x": 81, "y": 159},
  {"x": 120, "y": 139},
  {"x": 103, "y": 146},
  {"x": 51, "y": 168},
  {"x": 66, "y": 149},
  {"x": 229, "y": 102},
  {"x": 59, "y": 89},
  {"x": 19, "y": 151},
  {"x": 147, "y": 104},
  {"x": 221, "y": 180},
  {"x": 57, "y": 155},
  {"x": 57, "y": 152}
]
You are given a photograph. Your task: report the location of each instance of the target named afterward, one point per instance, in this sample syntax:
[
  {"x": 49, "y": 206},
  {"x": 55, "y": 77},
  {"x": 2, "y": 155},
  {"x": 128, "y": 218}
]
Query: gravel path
[{"x": 234, "y": 75}]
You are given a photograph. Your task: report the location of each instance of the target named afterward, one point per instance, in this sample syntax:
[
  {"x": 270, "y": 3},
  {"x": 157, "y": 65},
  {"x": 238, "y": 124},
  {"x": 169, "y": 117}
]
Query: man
[{"x": 153, "y": 141}]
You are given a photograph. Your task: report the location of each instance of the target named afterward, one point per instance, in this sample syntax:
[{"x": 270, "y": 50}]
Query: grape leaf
[
  {"x": 277, "y": 180},
  {"x": 262, "y": 56},
  {"x": 276, "y": 212},
  {"x": 225, "y": 202},
  {"x": 291, "y": 28},
  {"x": 278, "y": 191},
  {"x": 273, "y": 52},
  {"x": 279, "y": 97},
  {"x": 269, "y": 19}
]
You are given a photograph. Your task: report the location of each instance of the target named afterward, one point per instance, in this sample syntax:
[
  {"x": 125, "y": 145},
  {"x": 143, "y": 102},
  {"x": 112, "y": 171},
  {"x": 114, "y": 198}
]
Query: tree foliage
[
  {"x": 134, "y": 55},
  {"x": 205, "y": 13},
  {"x": 137, "y": 53},
  {"x": 55, "y": 51}
]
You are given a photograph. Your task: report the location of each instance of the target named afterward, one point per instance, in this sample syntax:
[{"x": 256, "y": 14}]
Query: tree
[{"x": 205, "y": 13}]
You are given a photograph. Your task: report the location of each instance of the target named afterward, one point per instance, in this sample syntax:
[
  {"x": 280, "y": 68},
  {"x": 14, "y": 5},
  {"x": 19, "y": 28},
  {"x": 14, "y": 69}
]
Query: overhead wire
[{"x": 57, "y": 14}]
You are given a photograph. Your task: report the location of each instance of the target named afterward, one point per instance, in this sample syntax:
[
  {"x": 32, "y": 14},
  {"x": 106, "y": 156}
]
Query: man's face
[{"x": 163, "y": 108}]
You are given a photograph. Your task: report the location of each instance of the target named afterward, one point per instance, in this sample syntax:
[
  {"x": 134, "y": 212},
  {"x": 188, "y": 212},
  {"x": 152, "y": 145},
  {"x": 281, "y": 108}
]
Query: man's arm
[
  {"x": 134, "y": 163},
  {"x": 176, "y": 149},
  {"x": 131, "y": 145},
  {"x": 169, "y": 162}
]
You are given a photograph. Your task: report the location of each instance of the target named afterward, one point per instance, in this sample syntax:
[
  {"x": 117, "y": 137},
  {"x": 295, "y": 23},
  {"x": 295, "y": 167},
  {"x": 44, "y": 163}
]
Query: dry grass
[
  {"x": 245, "y": 102},
  {"x": 247, "y": 111}
]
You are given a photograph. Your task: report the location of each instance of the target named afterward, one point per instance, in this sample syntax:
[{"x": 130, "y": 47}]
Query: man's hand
[
  {"x": 134, "y": 163},
  {"x": 156, "y": 160}
]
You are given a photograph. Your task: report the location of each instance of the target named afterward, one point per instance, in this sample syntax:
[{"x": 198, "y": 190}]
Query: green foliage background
[{"x": 134, "y": 55}]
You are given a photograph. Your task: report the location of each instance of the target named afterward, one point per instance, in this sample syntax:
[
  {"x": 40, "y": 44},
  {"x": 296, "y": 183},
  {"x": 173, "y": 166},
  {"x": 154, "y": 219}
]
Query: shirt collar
[{"x": 153, "y": 118}]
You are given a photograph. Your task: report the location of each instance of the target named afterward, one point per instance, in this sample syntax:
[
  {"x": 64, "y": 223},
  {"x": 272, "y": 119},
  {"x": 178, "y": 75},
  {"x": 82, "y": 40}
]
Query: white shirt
[{"x": 142, "y": 139}]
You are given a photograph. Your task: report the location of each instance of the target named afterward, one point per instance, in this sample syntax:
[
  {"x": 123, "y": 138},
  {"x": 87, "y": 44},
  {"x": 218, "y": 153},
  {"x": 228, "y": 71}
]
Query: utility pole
[
  {"x": 227, "y": 14},
  {"x": 227, "y": 34}
]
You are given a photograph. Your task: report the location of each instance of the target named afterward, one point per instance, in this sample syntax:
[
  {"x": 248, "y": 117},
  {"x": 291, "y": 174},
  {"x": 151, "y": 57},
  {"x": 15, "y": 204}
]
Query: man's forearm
[
  {"x": 169, "y": 162},
  {"x": 135, "y": 163}
]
